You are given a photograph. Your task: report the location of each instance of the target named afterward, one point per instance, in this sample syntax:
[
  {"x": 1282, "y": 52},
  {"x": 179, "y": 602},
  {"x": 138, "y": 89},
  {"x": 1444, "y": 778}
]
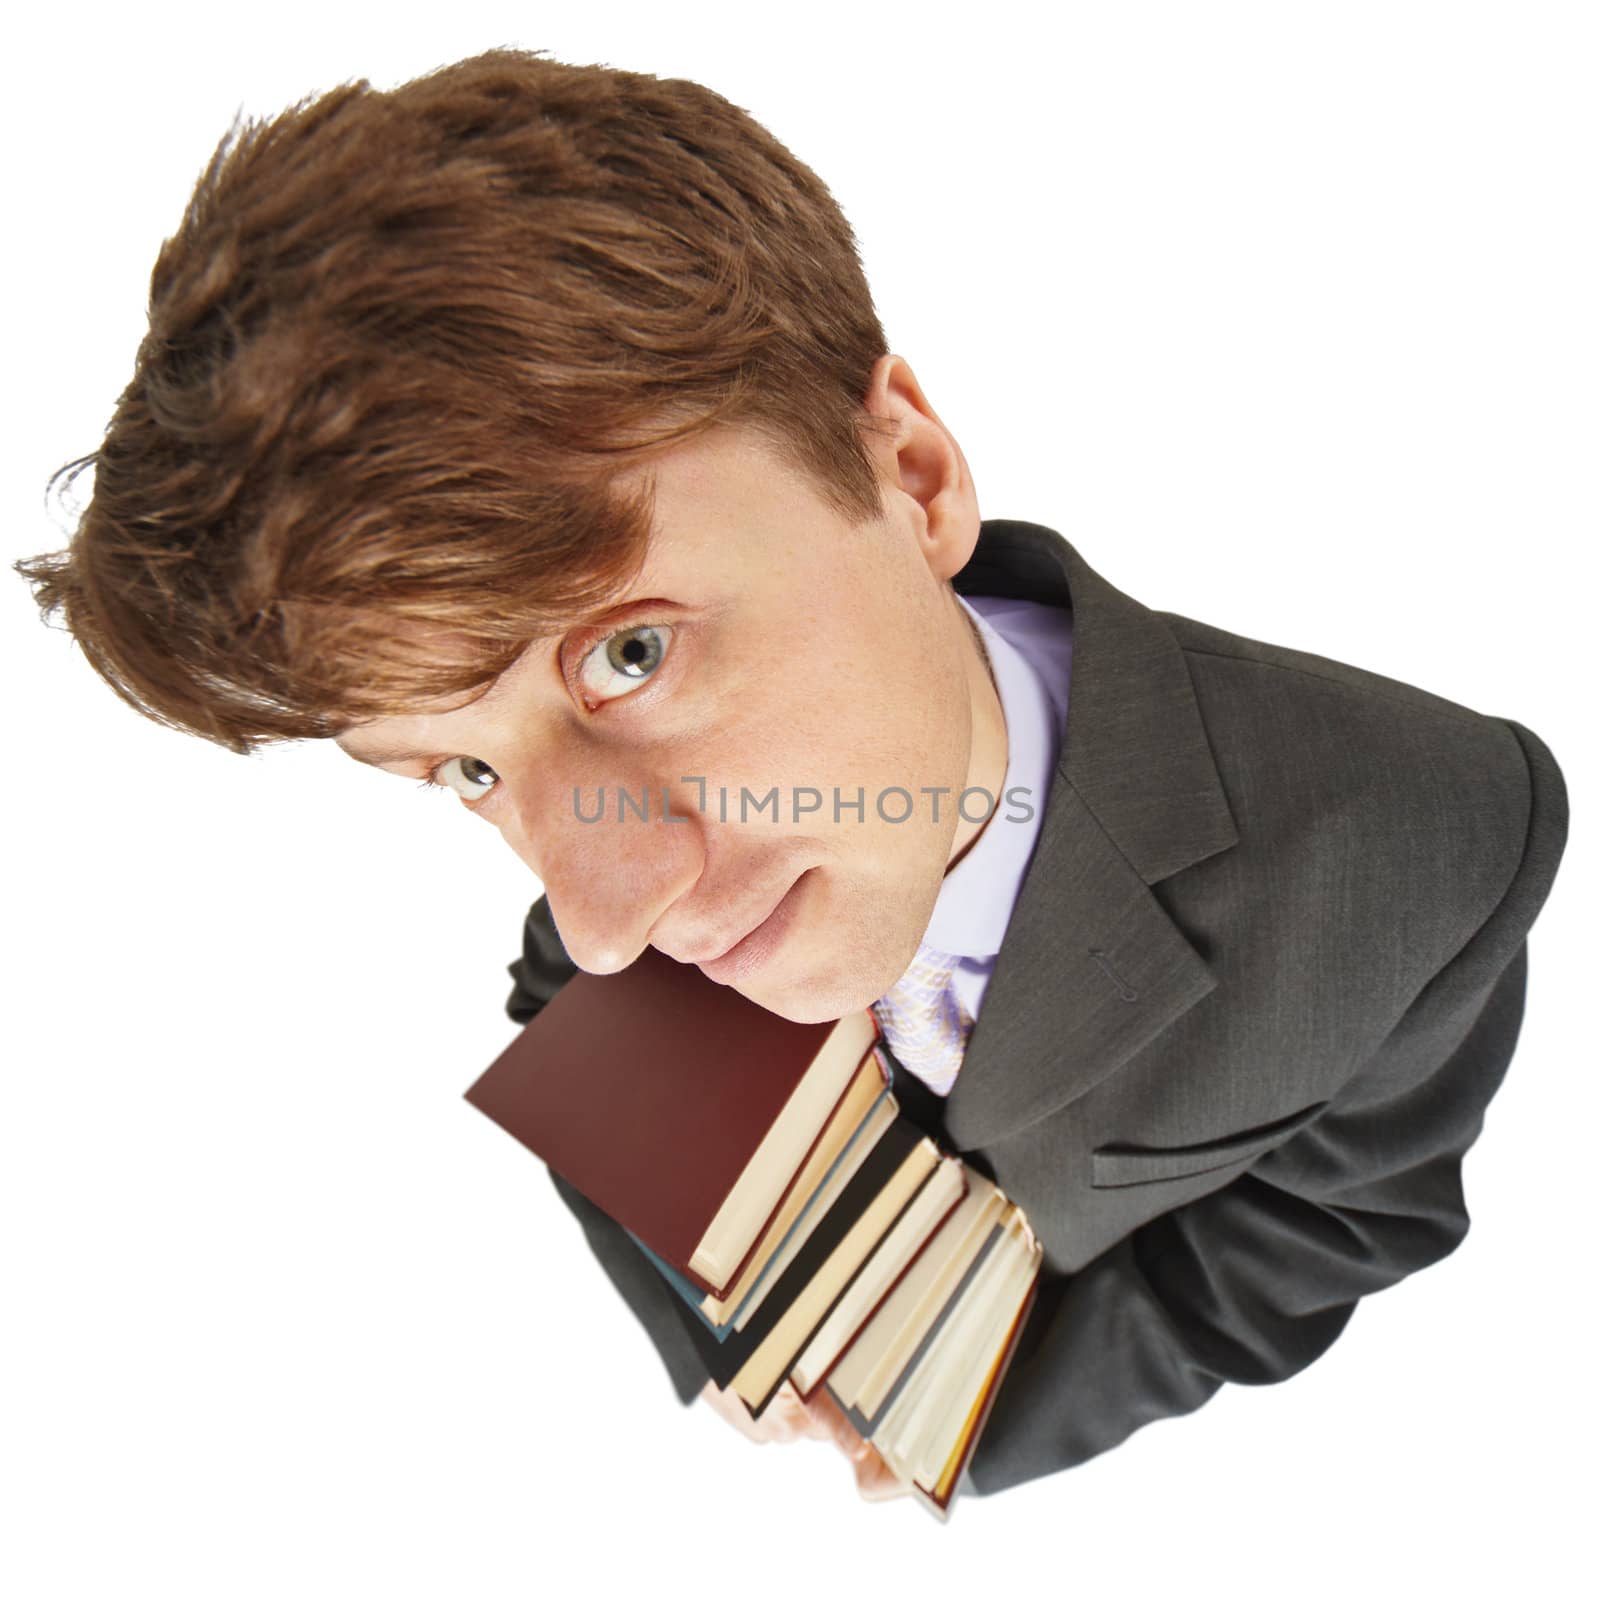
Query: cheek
[
  {"x": 855, "y": 749},
  {"x": 857, "y": 703}
]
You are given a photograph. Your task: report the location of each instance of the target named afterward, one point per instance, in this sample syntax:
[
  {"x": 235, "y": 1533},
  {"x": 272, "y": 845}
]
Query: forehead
[
  {"x": 726, "y": 510},
  {"x": 724, "y": 473}
]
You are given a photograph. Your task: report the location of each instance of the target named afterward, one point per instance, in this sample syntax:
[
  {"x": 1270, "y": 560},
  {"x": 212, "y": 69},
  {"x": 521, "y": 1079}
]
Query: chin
[
  {"x": 799, "y": 1002},
  {"x": 818, "y": 997}
]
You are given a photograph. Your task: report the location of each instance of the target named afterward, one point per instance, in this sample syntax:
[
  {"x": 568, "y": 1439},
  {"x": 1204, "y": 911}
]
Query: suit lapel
[{"x": 1091, "y": 967}]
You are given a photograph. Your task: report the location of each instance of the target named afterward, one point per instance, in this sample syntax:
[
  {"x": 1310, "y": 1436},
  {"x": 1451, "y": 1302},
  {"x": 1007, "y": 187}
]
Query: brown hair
[{"x": 397, "y": 347}]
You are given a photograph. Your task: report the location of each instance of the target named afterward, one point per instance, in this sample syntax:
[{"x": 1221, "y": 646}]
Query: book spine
[
  {"x": 720, "y": 1290},
  {"x": 911, "y": 1261}
]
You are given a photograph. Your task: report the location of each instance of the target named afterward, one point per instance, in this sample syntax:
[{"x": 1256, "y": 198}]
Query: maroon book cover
[{"x": 649, "y": 1090}]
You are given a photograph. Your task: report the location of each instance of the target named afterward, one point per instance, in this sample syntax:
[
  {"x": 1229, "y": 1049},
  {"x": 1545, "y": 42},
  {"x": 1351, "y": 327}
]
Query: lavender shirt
[{"x": 1030, "y": 650}]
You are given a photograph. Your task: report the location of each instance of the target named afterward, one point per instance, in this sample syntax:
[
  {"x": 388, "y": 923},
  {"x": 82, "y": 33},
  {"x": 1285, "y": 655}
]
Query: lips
[
  {"x": 733, "y": 944},
  {"x": 727, "y": 943},
  {"x": 755, "y": 947}
]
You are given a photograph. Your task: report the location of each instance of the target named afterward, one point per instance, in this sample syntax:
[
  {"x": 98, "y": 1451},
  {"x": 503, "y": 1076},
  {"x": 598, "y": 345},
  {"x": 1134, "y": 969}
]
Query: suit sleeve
[
  {"x": 1252, "y": 1283},
  {"x": 542, "y": 969}
]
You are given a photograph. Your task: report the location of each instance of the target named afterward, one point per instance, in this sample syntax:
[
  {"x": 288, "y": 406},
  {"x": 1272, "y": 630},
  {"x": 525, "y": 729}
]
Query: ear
[{"x": 917, "y": 457}]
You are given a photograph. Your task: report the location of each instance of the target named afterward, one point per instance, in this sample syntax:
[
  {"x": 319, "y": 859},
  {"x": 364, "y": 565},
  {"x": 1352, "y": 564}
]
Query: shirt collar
[{"x": 979, "y": 892}]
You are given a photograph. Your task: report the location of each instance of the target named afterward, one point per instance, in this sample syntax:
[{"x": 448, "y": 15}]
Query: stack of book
[{"x": 809, "y": 1229}]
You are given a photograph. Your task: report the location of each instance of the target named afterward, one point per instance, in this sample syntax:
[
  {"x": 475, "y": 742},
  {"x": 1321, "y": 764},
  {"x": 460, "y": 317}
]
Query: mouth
[{"x": 759, "y": 945}]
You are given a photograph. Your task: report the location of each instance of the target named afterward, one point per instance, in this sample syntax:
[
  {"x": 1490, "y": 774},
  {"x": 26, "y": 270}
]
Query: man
[
  {"x": 1264, "y": 974},
  {"x": 560, "y": 453}
]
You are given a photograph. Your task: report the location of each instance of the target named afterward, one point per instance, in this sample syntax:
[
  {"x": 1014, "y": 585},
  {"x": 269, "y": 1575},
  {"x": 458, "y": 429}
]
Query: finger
[
  {"x": 787, "y": 1418},
  {"x": 740, "y": 1419},
  {"x": 777, "y": 1424},
  {"x": 830, "y": 1422},
  {"x": 876, "y": 1480},
  {"x": 801, "y": 1415}
]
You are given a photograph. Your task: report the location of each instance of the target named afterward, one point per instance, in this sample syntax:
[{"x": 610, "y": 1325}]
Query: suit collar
[{"x": 1091, "y": 967}]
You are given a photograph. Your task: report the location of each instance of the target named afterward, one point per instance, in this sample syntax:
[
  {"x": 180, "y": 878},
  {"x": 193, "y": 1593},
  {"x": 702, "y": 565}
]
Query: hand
[
  {"x": 787, "y": 1417},
  {"x": 875, "y": 1480}
]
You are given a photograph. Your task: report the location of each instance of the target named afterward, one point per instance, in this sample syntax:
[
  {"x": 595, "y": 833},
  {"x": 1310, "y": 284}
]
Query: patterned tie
[{"x": 924, "y": 1022}]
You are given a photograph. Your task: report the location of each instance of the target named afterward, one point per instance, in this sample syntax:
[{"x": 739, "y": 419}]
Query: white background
[{"x": 1286, "y": 316}]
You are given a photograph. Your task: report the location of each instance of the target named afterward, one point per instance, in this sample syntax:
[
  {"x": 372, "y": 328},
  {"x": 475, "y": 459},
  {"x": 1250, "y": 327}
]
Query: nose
[{"x": 613, "y": 850}]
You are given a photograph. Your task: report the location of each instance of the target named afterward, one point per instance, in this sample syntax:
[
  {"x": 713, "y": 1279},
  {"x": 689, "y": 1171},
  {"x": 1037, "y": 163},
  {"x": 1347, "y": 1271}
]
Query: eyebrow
[{"x": 379, "y": 758}]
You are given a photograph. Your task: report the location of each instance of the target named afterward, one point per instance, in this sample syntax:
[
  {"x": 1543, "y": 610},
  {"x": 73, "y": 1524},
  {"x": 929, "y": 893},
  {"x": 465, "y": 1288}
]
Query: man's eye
[
  {"x": 473, "y": 772},
  {"x": 619, "y": 664}
]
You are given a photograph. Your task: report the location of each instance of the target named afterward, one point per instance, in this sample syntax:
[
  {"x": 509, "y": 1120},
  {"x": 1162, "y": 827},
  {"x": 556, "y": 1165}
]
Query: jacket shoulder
[
  {"x": 1408, "y": 810},
  {"x": 1201, "y": 639}
]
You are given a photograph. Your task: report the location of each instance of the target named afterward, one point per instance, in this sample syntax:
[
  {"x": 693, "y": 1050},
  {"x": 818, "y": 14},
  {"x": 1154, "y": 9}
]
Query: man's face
[{"x": 805, "y": 654}]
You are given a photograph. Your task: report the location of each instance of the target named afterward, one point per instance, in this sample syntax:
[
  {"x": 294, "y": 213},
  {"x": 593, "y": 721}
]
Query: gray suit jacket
[{"x": 1266, "y": 971}]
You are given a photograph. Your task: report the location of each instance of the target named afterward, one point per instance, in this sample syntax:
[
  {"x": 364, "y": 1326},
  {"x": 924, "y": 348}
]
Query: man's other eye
[
  {"x": 625, "y": 659},
  {"x": 473, "y": 771}
]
